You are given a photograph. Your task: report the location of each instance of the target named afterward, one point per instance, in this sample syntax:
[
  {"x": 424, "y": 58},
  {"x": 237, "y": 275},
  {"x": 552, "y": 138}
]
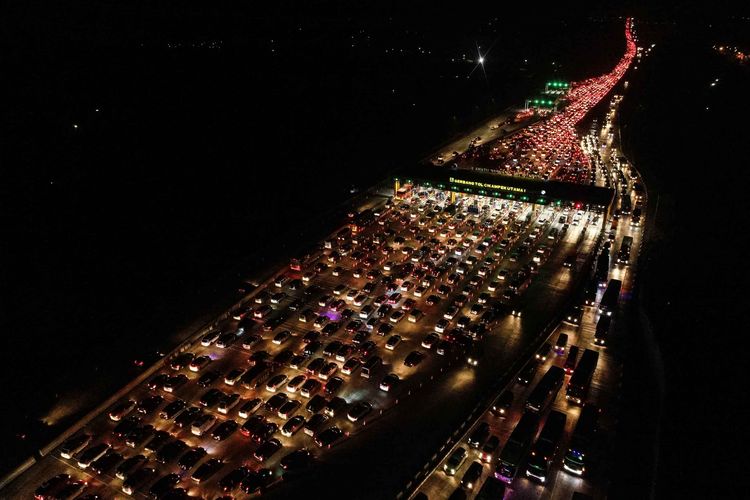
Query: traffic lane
[
  {"x": 413, "y": 433},
  {"x": 486, "y": 131}
]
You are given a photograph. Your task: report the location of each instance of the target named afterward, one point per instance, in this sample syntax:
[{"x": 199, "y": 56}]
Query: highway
[
  {"x": 604, "y": 386},
  {"x": 414, "y": 286}
]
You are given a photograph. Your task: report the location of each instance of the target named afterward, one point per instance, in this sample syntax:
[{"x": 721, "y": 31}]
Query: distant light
[
  {"x": 97, "y": 110},
  {"x": 481, "y": 60},
  {"x": 75, "y": 125}
]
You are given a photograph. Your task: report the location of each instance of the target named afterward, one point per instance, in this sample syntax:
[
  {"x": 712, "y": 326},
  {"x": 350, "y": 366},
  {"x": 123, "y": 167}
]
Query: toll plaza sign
[{"x": 486, "y": 185}]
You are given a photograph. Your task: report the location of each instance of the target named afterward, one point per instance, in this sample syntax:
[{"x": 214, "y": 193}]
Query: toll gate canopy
[{"x": 543, "y": 192}]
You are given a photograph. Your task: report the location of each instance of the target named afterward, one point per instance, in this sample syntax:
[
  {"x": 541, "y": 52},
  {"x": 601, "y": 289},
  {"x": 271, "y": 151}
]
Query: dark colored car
[
  {"x": 192, "y": 457},
  {"x": 149, "y": 404},
  {"x": 51, "y": 485},
  {"x": 206, "y": 470},
  {"x": 208, "y": 378},
  {"x": 296, "y": 460},
  {"x": 256, "y": 481},
  {"x": 130, "y": 465},
  {"x": 161, "y": 486},
  {"x": 329, "y": 436},
  {"x": 172, "y": 409},
  {"x": 170, "y": 451},
  {"x": 224, "y": 430},
  {"x": 316, "y": 404},
  {"x": 211, "y": 397},
  {"x": 106, "y": 463},
  {"x": 232, "y": 480},
  {"x": 267, "y": 449},
  {"x": 186, "y": 417},
  {"x": 160, "y": 439}
]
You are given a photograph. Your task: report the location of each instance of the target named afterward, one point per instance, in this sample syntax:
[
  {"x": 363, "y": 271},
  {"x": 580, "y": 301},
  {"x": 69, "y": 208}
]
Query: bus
[
  {"x": 545, "y": 447},
  {"x": 611, "y": 297},
  {"x": 546, "y": 390},
  {"x": 580, "y": 381},
  {"x": 602, "y": 329},
  {"x": 517, "y": 447},
  {"x": 623, "y": 256},
  {"x": 581, "y": 442}
]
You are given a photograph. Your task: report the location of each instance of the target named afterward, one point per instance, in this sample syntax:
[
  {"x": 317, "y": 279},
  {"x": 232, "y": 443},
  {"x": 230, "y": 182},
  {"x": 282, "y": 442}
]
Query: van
[{"x": 370, "y": 366}]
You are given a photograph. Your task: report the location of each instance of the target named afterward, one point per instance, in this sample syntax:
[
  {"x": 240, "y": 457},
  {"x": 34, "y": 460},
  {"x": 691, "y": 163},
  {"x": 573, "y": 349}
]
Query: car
[
  {"x": 297, "y": 460},
  {"x": 264, "y": 432},
  {"x": 138, "y": 479},
  {"x": 256, "y": 481},
  {"x": 574, "y": 316},
  {"x": 430, "y": 340},
  {"x": 275, "y": 382},
  {"x": 202, "y": 424},
  {"x": 569, "y": 261},
  {"x": 276, "y": 401},
  {"x": 70, "y": 490},
  {"x": 344, "y": 352},
  {"x": 543, "y": 352},
  {"x": 316, "y": 404},
  {"x": 157, "y": 381},
  {"x": 432, "y": 300},
  {"x": 455, "y": 460},
  {"x": 190, "y": 458},
  {"x": 224, "y": 430},
  {"x": 297, "y": 360},
  {"x": 328, "y": 437},
  {"x": 181, "y": 360},
  {"x": 333, "y": 385},
  {"x": 489, "y": 449},
  {"x": 295, "y": 383},
  {"x": 170, "y": 451},
  {"x": 232, "y": 480},
  {"x": 51, "y": 485},
  {"x": 258, "y": 357},
  {"x": 249, "y": 407},
  {"x": 310, "y": 387},
  {"x": 250, "y": 341},
  {"x": 351, "y": 365},
  {"x": 472, "y": 475},
  {"x": 149, "y": 405},
  {"x": 163, "y": 485},
  {"x": 501, "y": 405},
  {"x": 479, "y": 435},
  {"x": 312, "y": 348},
  {"x": 228, "y": 338},
  {"x": 393, "y": 341},
  {"x": 174, "y": 383},
  {"x": 139, "y": 435},
  {"x": 359, "y": 410},
  {"x": 92, "y": 453},
  {"x": 443, "y": 347},
  {"x": 384, "y": 329},
  {"x": 74, "y": 445},
  {"x": 121, "y": 410},
  {"x": 527, "y": 373},
  {"x": 367, "y": 348},
  {"x": 334, "y": 406},
  {"x": 252, "y": 424},
  {"x": 206, "y": 470},
  {"x": 211, "y": 398},
  {"x": 233, "y": 376},
  {"x": 389, "y": 382},
  {"x": 187, "y": 416},
  {"x": 331, "y": 328},
  {"x": 267, "y": 450},
  {"x": 289, "y": 408},
  {"x": 208, "y": 378},
  {"x": 314, "y": 423},
  {"x": 129, "y": 466},
  {"x": 332, "y": 348},
  {"x": 413, "y": 359},
  {"x": 106, "y": 463},
  {"x": 159, "y": 439},
  {"x": 292, "y": 425}
]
